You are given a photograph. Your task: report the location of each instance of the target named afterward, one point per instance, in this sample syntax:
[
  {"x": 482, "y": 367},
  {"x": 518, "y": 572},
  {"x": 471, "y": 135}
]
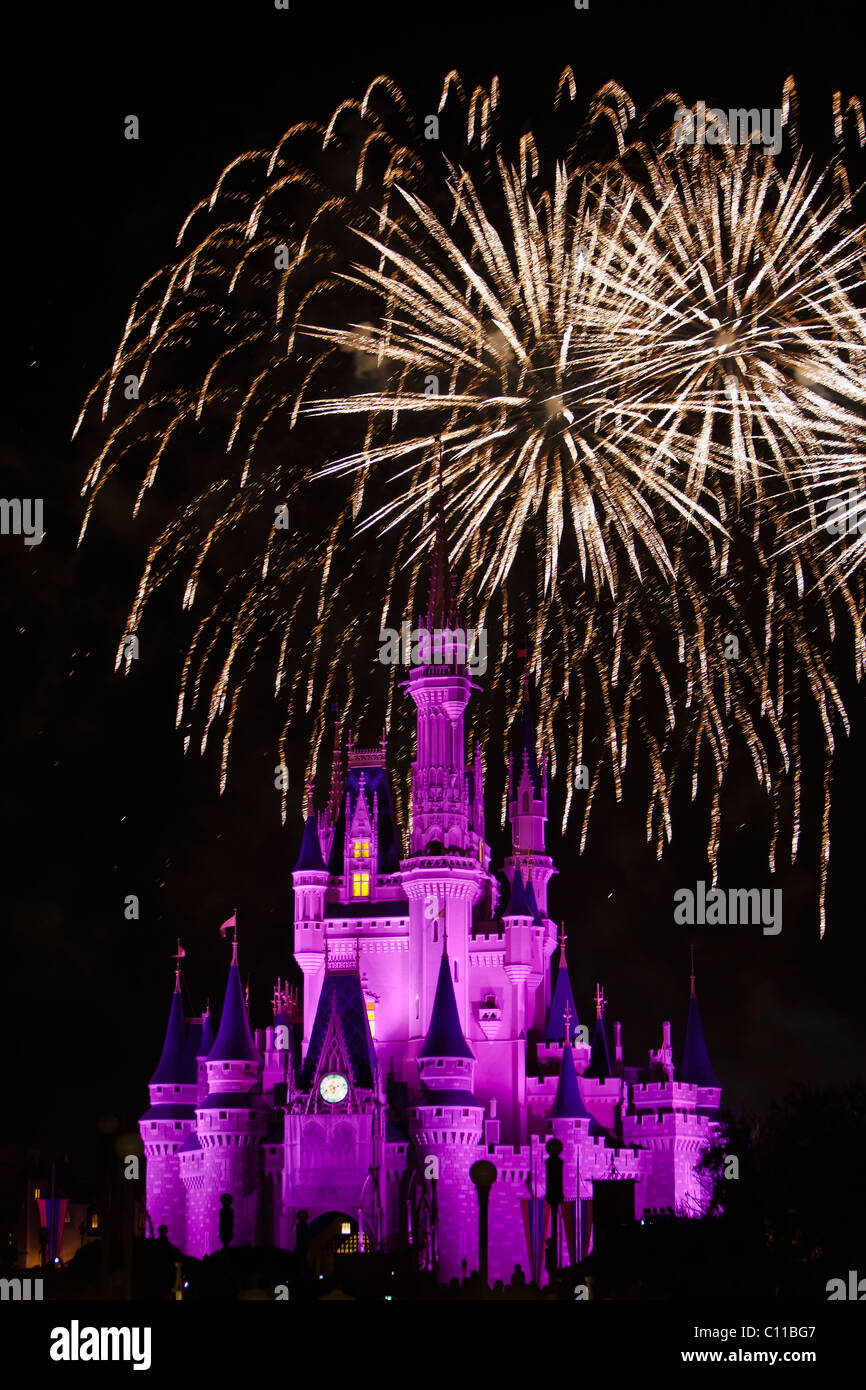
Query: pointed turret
[
  {"x": 310, "y": 880},
  {"x": 568, "y": 1102},
  {"x": 311, "y": 858},
  {"x": 599, "y": 1063},
  {"x": 527, "y": 813},
  {"x": 527, "y": 751},
  {"x": 234, "y": 1041},
  {"x": 441, "y": 603},
  {"x": 695, "y": 1067},
  {"x": 562, "y": 1007},
  {"x": 518, "y": 903},
  {"x": 445, "y": 1036},
  {"x": 170, "y": 1117},
  {"x": 533, "y": 905},
  {"x": 175, "y": 1067}
]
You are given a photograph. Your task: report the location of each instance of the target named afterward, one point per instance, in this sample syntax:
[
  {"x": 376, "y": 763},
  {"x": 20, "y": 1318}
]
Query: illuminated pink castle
[{"x": 438, "y": 1027}]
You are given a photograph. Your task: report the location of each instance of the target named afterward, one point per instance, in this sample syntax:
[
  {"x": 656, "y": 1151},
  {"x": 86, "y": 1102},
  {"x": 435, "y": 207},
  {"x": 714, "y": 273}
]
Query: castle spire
[
  {"x": 440, "y": 578},
  {"x": 695, "y": 1067},
  {"x": 207, "y": 1034},
  {"x": 445, "y": 1036},
  {"x": 527, "y": 750},
  {"x": 336, "y": 797},
  {"x": 599, "y": 1062},
  {"x": 234, "y": 1042},
  {"x": 600, "y": 1002},
  {"x": 311, "y": 857},
  {"x": 173, "y": 1066},
  {"x": 568, "y": 1102},
  {"x": 178, "y": 956},
  {"x": 518, "y": 903},
  {"x": 562, "y": 1005}
]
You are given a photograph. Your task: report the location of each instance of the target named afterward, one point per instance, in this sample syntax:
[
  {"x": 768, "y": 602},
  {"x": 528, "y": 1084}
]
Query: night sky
[{"x": 98, "y": 801}]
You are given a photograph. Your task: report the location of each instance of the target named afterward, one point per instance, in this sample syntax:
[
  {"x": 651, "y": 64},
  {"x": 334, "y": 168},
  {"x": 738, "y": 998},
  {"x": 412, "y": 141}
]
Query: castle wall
[
  {"x": 236, "y": 1171},
  {"x": 165, "y": 1195},
  {"x": 197, "y": 1199}
]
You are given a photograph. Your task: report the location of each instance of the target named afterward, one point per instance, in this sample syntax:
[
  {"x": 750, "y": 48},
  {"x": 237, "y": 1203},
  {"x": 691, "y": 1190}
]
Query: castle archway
[{"x": 331, "y": 1233}]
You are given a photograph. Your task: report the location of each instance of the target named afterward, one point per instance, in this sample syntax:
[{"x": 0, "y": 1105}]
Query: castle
[{"x": 438, "y": 1027}]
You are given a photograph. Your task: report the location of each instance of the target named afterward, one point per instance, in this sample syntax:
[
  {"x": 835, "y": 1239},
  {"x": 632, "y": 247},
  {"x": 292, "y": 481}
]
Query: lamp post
[
  {"x": 483, "y": 1174},
  {"x": 553, "y": 1194}
]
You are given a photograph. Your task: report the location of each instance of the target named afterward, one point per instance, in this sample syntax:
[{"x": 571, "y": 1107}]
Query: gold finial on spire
[
  {"x": 567, "y": 1012},
  {"x": 600, "y": 1001},
  {"x": 178, "y": 956},
  {"x": 562, "y": 940}
]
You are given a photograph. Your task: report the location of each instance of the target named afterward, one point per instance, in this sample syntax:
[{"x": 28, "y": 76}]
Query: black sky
[{"x": 98, "y": 801}]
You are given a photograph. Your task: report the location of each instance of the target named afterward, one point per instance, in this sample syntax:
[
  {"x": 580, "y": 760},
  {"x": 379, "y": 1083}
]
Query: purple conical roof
[
  {"x": 533, "y": 904},
  {"x": 599, "y": 1061},
  {"x": 562, "y": 994},
  {"x": 234, "y": 1042},
  {"x": 695, "y": 1067},
  {"x": 568, "y": 1102},
  {"x": 445, "y": 1036},
  {"x": 310, "y": 856},
  {"x": 518, "y": 903},
  {"x": 174, "y": 1068}
]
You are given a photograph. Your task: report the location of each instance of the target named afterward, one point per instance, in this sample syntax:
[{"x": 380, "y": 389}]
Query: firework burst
[{"x": 645, "y": 368}]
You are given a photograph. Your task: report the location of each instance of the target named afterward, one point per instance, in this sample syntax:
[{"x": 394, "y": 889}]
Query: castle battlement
[{"x": 667, "y": 1119}]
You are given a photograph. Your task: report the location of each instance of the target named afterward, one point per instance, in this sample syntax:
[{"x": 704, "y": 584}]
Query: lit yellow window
[
  {"x": 360, "y": 885},
  {"x": 94, "y": 1222},
  {"x": 362, "y": 849},
  {"x": 37, "y": 1193},
  {"x": 371, "y": 1018},
  {"x": 346, "y": 1228}
]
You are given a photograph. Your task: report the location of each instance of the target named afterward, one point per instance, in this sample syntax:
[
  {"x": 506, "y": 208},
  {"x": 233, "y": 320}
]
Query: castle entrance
[{"x": 332, "y": 1233}]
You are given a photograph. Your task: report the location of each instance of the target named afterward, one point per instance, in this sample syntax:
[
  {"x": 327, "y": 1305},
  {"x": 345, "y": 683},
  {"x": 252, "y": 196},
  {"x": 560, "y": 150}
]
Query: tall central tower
[{"x": 446, "y": 871}]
